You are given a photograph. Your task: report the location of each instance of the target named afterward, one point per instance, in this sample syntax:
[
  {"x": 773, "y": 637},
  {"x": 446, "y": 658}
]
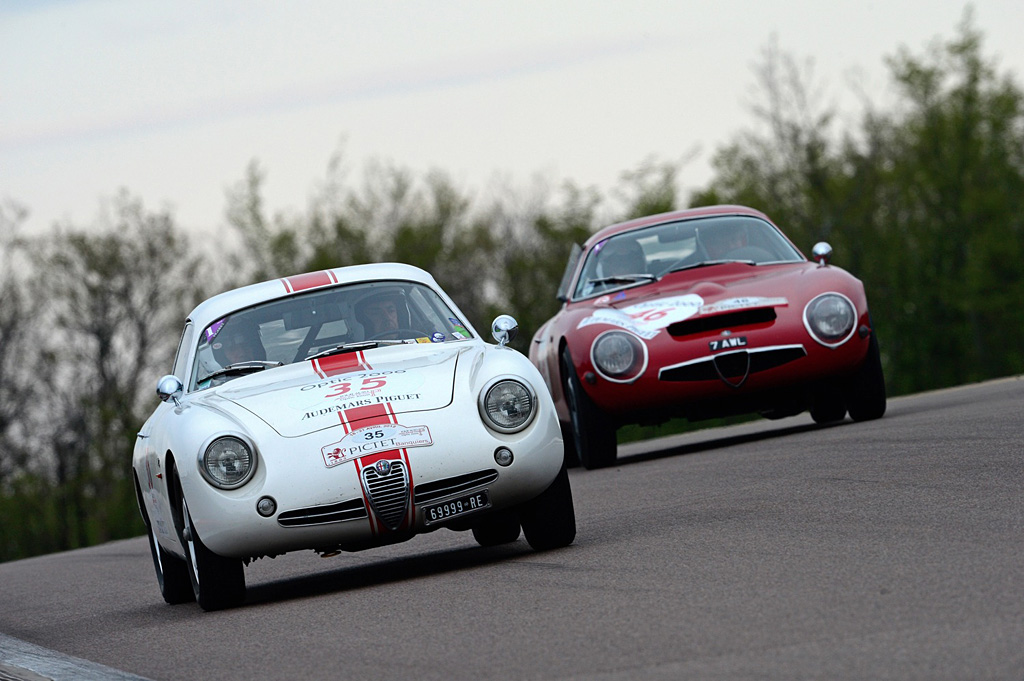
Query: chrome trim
[{"x": 709, "y": 359}]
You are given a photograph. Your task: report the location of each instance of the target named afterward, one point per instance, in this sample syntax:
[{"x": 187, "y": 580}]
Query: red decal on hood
[
  {"x": 301, "y": 282},
  {"x": 332, "y": 365}
]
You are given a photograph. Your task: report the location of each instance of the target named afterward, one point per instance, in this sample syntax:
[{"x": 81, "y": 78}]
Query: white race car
[{"x": 338, "y": 411}]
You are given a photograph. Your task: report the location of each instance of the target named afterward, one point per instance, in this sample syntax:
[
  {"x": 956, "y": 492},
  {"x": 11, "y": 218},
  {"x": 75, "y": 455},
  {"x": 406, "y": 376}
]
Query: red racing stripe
[
  {"x": 360, "y": 417},
  {"x": 301, "y": 282},
  {"x": 332, "y": 365}
]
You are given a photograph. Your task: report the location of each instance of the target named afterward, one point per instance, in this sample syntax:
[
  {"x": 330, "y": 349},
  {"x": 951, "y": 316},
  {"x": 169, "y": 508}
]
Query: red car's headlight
[
  {"x": 619, "y": 356},
  {"x": 830, "y": 319}
]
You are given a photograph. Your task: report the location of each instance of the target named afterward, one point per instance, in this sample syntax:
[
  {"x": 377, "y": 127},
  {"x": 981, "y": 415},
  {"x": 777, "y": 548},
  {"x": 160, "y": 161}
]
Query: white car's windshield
[
  {"x": 320, "y": 322},
  {"x": 648, "y": 254}
]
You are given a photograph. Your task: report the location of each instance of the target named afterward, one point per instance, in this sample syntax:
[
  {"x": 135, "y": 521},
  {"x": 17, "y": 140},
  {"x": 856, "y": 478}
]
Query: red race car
[{"x": 704, "y": 313}]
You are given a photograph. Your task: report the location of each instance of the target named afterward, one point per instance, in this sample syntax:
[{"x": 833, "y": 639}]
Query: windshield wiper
[
  {"x": 706, "y": 263},
  {"x": 623, "y": 279},
  {"x": 357, "y": 345},
  {"x": 240, "y": 368}
]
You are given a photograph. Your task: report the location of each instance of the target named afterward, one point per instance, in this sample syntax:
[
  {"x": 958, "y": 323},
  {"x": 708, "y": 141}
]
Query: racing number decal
[
  {"x": 345, "y": 387},
  {"x": 650, "y": 315}
]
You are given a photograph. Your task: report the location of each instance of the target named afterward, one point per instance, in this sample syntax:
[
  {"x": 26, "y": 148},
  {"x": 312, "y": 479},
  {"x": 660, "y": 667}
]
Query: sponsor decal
[
  {"x": 460, "y": 330},
  {"x": 728, "y": 343},
  {"x": 373, "y": 439},
  {"x": 213, "y": 329},
  {"x": 646, "y": 319},
  {"x": 423, "y": 339},
  {"x": 353, "y": 404},
  {"x": 437, "y": 338},
  {"x": 741, "y": 304}
]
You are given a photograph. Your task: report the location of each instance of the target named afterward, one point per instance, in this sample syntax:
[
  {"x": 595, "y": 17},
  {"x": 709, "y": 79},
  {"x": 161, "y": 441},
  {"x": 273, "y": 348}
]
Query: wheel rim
[
  {"x": 156, "y": 551},
  {"x": 189, "y": 541}
]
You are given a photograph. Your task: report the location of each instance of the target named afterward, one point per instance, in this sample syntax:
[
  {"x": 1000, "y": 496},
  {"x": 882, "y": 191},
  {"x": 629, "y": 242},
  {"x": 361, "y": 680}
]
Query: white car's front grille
[{"x": 388, "y": 492}]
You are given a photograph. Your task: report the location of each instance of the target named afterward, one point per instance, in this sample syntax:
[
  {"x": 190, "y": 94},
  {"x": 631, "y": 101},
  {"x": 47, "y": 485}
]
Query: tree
[
  {"x": 117, "y": 297},
  {"x": 923, "y": 203}
]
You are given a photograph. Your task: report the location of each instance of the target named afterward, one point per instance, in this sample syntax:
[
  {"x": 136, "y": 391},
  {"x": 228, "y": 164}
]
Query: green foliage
[{"x": 925, "y": 206}]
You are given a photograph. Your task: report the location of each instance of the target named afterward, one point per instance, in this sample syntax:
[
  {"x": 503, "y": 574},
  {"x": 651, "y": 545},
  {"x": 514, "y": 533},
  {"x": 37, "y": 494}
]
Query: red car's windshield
[{"x": 647, "y": 254}]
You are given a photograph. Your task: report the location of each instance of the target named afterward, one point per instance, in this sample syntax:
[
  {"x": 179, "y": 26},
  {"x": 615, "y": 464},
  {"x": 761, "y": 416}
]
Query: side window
[
  {"x": 181, "y": 357},
  {"x": 570, "y": 269}
]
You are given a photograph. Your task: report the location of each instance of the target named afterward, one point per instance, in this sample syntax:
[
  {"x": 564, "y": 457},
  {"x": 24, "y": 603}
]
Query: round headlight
[
  {"x": 507, "y": 406},
  {"x": 227, "y": 463},
  {"x": 619, "y": 356},
  {"x": 830, "y": 319}
]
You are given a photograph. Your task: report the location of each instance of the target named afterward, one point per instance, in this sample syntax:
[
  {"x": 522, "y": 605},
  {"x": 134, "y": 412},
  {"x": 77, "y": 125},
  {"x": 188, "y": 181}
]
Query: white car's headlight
[
  {"x": 227, "y": 463},
  {"x": 619, "y": 356},
  {"x": 507, "y": 405},
  {"x": 830, "y": 319}
]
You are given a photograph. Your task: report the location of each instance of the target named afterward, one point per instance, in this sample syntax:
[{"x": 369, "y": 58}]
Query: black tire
[
  {"x": 171, "y": 571},
  {"x": 217, "y": 582},
  {"x": 593, "y": 434},
  {"x": 829, "y": 405},
  {"x": 497, "y": 529},
  {"x": 865, "y": 397},
  {"x": 549, "y": 521},
  {"x": 569, "y": 456}
]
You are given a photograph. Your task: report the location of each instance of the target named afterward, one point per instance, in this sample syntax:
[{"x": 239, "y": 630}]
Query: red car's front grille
[{"x": 730, "y": 320}]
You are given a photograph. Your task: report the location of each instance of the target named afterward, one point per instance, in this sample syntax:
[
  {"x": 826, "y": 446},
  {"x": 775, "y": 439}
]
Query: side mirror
[
  {"x": 504, "y": 329},
  {"x": 169, "y": 388},
  {"x": 822, "y": 253}
]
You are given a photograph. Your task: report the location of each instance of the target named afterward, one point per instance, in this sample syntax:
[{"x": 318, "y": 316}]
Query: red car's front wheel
[{"x": 593, "y": 433}]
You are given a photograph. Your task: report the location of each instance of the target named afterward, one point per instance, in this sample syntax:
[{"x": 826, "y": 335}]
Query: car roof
[
  {"x": 672, "y": 216},
  {"x": 225, "y": 303}
]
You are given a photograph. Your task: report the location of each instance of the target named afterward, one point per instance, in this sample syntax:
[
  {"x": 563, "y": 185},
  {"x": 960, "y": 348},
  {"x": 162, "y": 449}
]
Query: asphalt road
[{"x": 885, "y": 550}]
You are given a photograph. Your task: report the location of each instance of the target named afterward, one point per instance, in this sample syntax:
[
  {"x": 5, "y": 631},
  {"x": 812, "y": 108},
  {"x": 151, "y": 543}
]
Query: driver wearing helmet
[
  {"x": 379, "y": 314},
  {"x": 238, "y": 341},
  {"x": 722, "y": 240},
  {"x": 622, "y": 256}
]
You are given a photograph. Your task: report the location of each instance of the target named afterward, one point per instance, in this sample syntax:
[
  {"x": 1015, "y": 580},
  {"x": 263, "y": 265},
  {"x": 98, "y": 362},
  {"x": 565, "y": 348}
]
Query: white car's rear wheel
[{"x": 217, "y": 582}]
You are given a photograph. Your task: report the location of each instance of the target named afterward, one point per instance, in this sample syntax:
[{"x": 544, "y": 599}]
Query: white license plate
[{"x": 467, "y": 503}]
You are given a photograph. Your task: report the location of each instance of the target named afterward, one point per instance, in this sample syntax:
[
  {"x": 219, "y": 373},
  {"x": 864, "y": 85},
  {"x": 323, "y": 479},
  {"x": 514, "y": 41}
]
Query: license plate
[
  {"x": 728, "y": 343},
  {"x": 467, "y": 503}
]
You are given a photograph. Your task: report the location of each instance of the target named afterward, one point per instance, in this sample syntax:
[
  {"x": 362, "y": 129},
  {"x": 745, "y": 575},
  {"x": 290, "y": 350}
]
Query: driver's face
[
  {"x": 383, "y": 315},
  {"x": 722, "y": 241},
  {"x": 238, "y": 348}
]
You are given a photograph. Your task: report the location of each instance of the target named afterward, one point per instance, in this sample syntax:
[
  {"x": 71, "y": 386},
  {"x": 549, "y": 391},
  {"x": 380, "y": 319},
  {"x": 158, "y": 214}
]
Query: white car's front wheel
[
  {"x": 217, "y": 582},
  {"x": 549, "y": 521},
  {"x": 171, "y": 571}
]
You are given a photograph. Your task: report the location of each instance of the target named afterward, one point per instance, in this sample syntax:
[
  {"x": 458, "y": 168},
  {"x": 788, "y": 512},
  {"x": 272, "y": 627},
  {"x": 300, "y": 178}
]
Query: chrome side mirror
[
  {"x": 169, "y": 388},
  {"x": 504, "y": 329},
  {"x": 822, "y": 253}
]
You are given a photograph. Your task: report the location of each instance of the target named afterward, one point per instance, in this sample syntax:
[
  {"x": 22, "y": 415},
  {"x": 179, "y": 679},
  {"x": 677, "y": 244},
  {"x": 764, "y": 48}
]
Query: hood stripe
[
  {"x": 370, "y": 416},
  {"x": 332, "y": 365}
]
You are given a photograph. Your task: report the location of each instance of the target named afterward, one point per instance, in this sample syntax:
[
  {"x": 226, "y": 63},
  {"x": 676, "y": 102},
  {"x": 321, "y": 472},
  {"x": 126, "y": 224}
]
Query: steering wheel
[{"x": 399, "y": 333}]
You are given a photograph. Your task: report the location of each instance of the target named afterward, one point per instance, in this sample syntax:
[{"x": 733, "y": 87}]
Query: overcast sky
[{"x": 173, "y": 99}]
